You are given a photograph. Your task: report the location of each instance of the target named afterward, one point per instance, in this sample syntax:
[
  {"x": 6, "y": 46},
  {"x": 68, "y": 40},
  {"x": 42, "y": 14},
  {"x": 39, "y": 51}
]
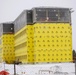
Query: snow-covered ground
[{"x": 40, "y": 69}]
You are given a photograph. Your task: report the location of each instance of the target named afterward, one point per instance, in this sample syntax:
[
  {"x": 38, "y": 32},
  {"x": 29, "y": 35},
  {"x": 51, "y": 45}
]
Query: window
[
  {"x": 41, "y": 15},
  {"x": 52, "y": 15}
]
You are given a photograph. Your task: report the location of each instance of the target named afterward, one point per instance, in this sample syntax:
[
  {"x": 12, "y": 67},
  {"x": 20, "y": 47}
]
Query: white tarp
[{"x": 41, "y": 69}]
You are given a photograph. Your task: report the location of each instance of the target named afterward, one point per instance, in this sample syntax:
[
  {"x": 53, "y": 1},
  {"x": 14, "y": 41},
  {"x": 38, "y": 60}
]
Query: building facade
[
  {"x": 7, "y": 43},
  {"x": 40, "y": 35},
  {"x": 47, "y": 36},
  {"x": 23, "y": 26}
]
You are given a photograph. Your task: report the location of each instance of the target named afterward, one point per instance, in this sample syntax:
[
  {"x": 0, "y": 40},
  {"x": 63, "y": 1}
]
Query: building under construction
[
  {"x": 41, "y": 35},
  {"x": 7, "y": 53}
]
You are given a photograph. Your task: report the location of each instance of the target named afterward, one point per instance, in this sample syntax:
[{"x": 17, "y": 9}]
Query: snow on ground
[{"x": 40, "y": 69}]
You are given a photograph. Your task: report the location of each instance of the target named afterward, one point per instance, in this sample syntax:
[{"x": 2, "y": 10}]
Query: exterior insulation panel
[
  {"x": 46, "y": 42},
  {"x": 7, "y": 43},
  {"x": 21, "y": 45},
  {"x": 52, "y": 42}
]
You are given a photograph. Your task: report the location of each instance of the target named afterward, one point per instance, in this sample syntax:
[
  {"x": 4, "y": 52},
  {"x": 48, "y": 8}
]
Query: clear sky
[{"x": 10, "y": 10}]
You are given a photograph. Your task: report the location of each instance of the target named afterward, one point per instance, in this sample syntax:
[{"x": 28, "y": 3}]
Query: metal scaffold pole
[{"x": 14, "y": 69}]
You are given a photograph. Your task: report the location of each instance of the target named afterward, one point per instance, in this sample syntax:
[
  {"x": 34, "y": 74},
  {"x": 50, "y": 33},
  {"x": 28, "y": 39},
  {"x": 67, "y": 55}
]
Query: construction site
[{"x": 39, "y": 38}]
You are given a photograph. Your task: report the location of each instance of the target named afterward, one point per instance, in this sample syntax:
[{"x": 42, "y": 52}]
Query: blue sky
[{"x": 10, "y": 10}]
